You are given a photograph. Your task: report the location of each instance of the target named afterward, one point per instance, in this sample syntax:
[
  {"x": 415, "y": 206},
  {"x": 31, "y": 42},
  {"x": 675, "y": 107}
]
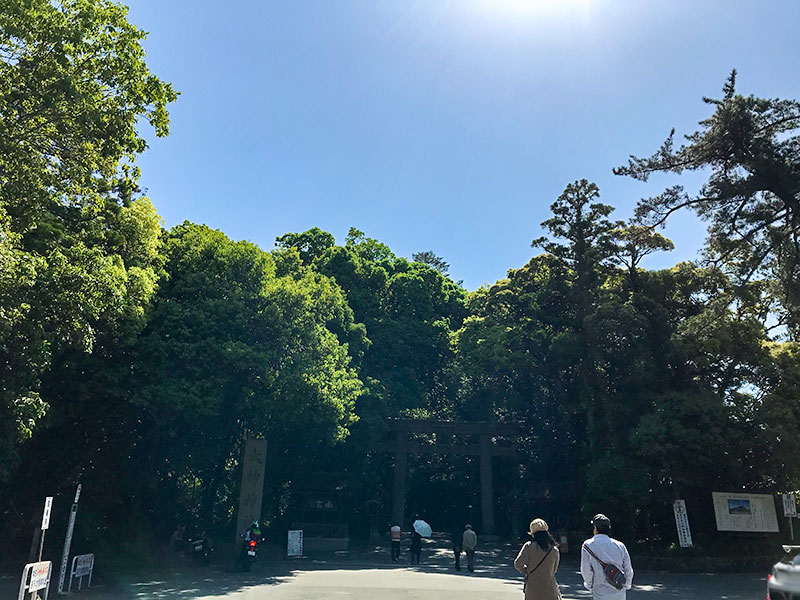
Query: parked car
[{"x": 784, "y": 581}]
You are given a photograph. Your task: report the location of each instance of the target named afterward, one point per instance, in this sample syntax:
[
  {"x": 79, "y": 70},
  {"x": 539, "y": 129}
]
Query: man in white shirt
[
  {"x": 608, "y": 550},
  {"x": 469, "y": 541}
]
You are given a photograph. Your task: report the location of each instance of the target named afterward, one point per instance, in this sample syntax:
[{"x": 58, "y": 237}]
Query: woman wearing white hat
[{"x": 538, "y": 561}]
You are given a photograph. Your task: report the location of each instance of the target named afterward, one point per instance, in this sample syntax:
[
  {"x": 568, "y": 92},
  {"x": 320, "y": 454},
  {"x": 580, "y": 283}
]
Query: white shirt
[{"x": 609, "y": 551}]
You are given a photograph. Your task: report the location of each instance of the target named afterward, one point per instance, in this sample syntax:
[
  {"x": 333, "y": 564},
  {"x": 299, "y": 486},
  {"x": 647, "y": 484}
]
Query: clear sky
[{"x": 439, "y": 125}]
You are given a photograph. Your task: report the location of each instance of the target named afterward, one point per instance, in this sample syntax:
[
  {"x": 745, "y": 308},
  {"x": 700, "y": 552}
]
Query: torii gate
[{"x": 485, "y": 448}]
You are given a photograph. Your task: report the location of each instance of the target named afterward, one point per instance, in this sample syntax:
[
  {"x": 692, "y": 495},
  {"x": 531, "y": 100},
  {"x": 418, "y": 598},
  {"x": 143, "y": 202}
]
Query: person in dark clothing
[
  {"x": 416, "y": 547},
  {"x": 455, "y": 540}
]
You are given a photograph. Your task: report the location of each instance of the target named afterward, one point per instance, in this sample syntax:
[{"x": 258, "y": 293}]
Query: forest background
[{"x": 136, "y": 360}]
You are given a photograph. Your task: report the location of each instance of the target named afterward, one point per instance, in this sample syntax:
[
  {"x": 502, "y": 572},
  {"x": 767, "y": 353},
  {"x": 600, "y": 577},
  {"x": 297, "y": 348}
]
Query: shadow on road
[{"x": 493, "y": 571}]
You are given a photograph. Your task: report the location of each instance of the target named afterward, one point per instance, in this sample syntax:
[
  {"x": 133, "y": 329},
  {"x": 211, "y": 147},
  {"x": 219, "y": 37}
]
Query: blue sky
[{"x": 439, "y": 125}]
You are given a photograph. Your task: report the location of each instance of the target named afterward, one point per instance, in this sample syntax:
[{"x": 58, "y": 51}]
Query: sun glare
[{"x": 522, "y": 9}]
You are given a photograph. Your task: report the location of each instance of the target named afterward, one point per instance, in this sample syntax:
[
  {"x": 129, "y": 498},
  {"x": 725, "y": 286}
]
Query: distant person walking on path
[
  {"x": 416, "y": 547},
  {"x": 597, "y": 555},
  {"x": 469, "y": 541},
  {"x": 455, "y": 540},
  {"x": 538, "y": 561},
  {"x": 395, "y": 532}
]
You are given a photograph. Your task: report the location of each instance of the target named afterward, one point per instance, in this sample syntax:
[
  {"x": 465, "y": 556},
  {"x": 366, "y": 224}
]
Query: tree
[
  {"x": 588, "y": 244},
  {"x": 81, "y": 248},
  {"x": 633, "y": 243},
  {"x": 231, "y": 350},
  {"x": 429, "y": 258},
  {"x": 309, "y": 244},
  {"x": 752, "y": 197}
]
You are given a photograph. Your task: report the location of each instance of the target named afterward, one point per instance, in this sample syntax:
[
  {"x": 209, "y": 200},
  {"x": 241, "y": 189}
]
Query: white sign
[
  {"x": 745, "y": 512},
  {"x": 48, "y": 507},
  {"x": 40, "y": 576},
  {"x": 682, "y": 523},
  {"x": 789, "y": 505},
  {"x": 294, "y": 546}
]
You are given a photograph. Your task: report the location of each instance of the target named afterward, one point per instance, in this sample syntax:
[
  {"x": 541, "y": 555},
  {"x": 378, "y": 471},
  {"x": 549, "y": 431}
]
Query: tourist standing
[
  {"x": 603, "y": 549},
  {"x": 416, "y": 547},
  {"x": 455, "y": 540},
  {"x": 538, "y": 561},
  {"x": 395, "y": 532},
  {"x": 469, "y": 541}
]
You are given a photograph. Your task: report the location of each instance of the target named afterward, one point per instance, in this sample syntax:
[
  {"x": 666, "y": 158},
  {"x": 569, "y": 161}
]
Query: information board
[
  {"x": 745, "y": 512},
  {"x": 682, "y": 523},
  {"x": 84, "y": 564},
  {"x": 40, "y": 576},
  {"x": 789, "y": 505},
  {"x": 294, "y": 546}
]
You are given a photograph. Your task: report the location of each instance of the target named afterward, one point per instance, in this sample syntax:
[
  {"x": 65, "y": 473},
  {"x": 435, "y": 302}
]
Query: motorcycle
[
  {"x": 248, "y": 554},
  {"x": 201, "y": 548}
]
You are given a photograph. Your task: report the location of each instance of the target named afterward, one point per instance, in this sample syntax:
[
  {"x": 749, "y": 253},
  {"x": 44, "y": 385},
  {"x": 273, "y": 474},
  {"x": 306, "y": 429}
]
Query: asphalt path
[{"x": 370, "y": 575}]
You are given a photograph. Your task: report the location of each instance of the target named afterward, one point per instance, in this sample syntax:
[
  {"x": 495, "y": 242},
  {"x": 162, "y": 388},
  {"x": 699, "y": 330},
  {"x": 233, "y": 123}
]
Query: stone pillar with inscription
[{"x": 252, "y": 489}]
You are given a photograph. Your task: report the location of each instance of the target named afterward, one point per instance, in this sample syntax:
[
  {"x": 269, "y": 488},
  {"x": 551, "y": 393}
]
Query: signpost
[
  {"x": 789, "y": 510},
  {"x": 682, "y": 523},
  {"x": 73, "y": 513},
  {"x": 48, "y": 508}
]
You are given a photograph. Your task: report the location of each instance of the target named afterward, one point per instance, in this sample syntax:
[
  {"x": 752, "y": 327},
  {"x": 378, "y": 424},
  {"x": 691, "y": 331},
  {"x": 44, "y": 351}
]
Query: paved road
[
  {"x": 350, "y": 582},
  {"x": 370, "y": 576},
  {"x": 406, "y": 584}
]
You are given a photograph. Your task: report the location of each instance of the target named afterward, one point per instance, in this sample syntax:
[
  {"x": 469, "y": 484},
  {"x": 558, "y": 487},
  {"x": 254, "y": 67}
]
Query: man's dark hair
[{"x": 603, "y": 527}]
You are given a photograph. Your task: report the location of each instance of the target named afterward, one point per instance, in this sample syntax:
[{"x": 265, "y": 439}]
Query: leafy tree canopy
[
  {"x": 752, "y": 197},
  {"x": 80, "y": 251}
]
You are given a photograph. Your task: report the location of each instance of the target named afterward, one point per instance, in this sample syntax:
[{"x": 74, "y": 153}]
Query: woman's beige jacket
[{"x": 542, "y": 583}]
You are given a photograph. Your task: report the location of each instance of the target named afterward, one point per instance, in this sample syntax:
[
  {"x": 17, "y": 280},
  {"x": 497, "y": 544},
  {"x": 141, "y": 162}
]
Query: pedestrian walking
[
  {"x": 416, "y": 547},
  {"x": 455, "y": 540},
  {"x": 469, "y": 542},
  {"x": 605, "y": 563},
  {"x": 395, "y": 533},
  {"x": 538, "y": 561}
]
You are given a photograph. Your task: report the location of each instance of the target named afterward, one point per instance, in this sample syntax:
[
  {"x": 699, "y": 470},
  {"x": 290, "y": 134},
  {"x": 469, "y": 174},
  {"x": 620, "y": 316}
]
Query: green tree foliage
[
  {"x": 587, "y": 246},
  {"x": 126, "y": 349},
  {"x": 427, "y": 257},
  {"x": 778, "y": 419},
  {"x": 78, "y": 247},
  {"x": 231, "y": 349},
  {"x": 633, "y": 243},
  {"x": 752, "y": 197},
  {"x": 309, "y": 244}
]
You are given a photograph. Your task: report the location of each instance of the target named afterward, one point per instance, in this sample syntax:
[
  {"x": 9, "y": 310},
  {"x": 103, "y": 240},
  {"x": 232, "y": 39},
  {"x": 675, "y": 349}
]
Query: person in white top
[
  {"x": 395, "y": 532},
  {"x": 608, "y": 550}
]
